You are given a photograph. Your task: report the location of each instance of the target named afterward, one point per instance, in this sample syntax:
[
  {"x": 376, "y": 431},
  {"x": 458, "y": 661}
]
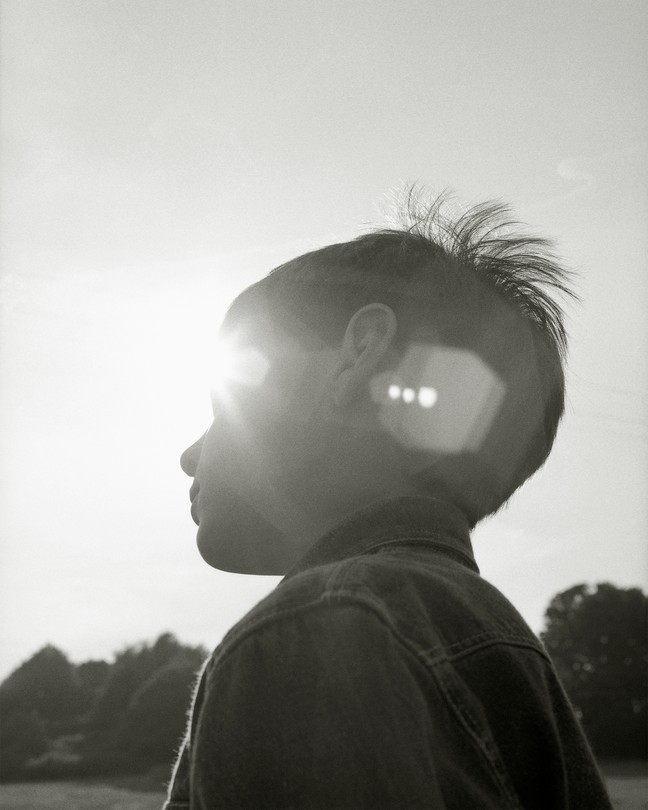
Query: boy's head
[{"x": 421, "y": 360}]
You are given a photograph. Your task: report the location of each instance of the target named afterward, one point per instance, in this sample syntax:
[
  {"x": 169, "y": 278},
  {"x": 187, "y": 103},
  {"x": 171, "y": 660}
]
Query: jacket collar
[{"x": 418, "y": 521}]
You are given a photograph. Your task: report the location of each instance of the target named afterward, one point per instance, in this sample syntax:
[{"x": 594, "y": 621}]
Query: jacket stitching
[
  {"x": 411, "y": 539},
  {"x": 468, "y": 644},
  {"x": 431, "y": 657},
  {"x": 444, "y": 548},
  {"x": 432, "y": 665},
  {"x": 472, "y": 726}
]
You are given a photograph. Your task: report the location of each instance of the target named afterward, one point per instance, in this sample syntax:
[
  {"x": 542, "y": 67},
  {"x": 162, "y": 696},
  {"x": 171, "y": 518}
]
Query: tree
[
  {"x": 47, "y": 684},
  {"x": 61, "y": 720},
  {"x": 157, "y": 715},
  {"x": 132, "y": 668},
  {"x": 93, "y": 676},
  {"x": 39, "y": 701},
  {"x": 139, "y": 717},
  {"x": 598, "y": 640},
  {"x": 23, "y": 737}
]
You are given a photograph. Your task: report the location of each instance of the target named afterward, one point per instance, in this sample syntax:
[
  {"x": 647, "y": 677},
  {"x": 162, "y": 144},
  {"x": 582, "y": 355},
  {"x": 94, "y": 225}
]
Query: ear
[{"x": 368, "y": 339}]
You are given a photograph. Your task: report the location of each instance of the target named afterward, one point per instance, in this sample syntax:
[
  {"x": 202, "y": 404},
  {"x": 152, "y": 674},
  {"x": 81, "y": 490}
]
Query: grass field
[
  {"x": 71, "y": 796},
  {"x": 627, "y": 792},
  {"x": 627, "y": 783}
]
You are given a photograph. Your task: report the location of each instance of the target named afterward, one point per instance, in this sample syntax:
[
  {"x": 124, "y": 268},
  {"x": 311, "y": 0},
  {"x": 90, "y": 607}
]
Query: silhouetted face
[
  {"x": 304, "y": 433},
  {"x": 258, "y": 468}
]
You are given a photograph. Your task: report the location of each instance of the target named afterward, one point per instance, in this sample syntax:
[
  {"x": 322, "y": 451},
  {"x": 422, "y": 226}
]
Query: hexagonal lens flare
[{"x": 440, "y": 399}]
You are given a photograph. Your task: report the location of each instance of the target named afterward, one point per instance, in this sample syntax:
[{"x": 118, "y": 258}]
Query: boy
[{"x": 378, "y": 398}]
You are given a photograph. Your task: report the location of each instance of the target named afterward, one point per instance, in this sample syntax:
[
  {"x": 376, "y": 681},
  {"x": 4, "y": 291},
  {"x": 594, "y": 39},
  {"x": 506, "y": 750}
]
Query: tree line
[{"x": 61, "y": 720}]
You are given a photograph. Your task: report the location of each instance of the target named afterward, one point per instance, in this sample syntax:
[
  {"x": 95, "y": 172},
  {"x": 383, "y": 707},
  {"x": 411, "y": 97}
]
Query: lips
[{"x": 193, "y": 492}]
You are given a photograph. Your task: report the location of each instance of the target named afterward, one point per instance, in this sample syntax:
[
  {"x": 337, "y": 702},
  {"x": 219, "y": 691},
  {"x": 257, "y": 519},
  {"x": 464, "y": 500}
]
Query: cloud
[
  {"x": 575, "y": 171},
  {"x": 583, "y": 174}
]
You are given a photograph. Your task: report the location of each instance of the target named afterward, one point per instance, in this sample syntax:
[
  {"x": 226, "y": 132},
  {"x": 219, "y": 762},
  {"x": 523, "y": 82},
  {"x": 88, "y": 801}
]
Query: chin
[{"x": 249, "y": 546}]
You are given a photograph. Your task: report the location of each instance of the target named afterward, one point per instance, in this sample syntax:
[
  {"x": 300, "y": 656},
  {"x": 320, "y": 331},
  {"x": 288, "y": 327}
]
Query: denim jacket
[{"x": 384, "y": 672}]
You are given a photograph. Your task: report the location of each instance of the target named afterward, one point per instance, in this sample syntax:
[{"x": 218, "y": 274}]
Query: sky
[{"x": 157, "y": 156}]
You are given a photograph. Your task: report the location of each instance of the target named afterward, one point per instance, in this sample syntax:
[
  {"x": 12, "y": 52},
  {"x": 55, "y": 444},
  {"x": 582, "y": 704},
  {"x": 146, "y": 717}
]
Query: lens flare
[
  {"x": 440, "y": 399},
  {"x": 427, "y": 397},
  {"x": 240, "y": 365}
]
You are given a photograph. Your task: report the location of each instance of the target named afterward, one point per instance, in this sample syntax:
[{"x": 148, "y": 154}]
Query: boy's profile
[{"x": 377, "y": 399}]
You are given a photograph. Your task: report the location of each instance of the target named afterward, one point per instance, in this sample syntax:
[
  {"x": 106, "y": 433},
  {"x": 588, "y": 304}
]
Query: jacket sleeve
[{"x": 317, "y": 709}]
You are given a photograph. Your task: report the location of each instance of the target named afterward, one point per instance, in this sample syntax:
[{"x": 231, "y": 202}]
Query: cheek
[
  {"x": 284, "y": 396},
  {"x": 235, "y": 455},
  {"x": 268, "y": 433},
  {"x": 250, "y": 407}
]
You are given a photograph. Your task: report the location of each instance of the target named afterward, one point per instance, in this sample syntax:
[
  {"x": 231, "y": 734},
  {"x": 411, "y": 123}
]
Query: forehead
[
  {"x": 256, "y": 316},
  {"x": 250, "y": 314}
]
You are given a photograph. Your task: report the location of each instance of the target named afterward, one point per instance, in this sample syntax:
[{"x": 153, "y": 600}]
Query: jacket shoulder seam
[{"x": 433, "y": 665}]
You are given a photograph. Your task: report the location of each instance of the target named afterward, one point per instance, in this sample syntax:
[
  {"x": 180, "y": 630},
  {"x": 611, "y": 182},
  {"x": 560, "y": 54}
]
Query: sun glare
[{"x": 242, "y": 365}]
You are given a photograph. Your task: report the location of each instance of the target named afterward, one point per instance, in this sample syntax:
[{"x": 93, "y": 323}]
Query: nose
[{"x": 189, "y": 459}]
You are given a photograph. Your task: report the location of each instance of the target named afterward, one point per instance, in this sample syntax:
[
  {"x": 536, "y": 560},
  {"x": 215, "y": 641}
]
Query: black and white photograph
[{"x": 323, "y": 404}]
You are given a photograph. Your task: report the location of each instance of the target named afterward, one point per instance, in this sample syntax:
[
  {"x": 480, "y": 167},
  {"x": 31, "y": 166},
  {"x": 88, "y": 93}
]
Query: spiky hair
[{"x": 488, "y": 241}]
